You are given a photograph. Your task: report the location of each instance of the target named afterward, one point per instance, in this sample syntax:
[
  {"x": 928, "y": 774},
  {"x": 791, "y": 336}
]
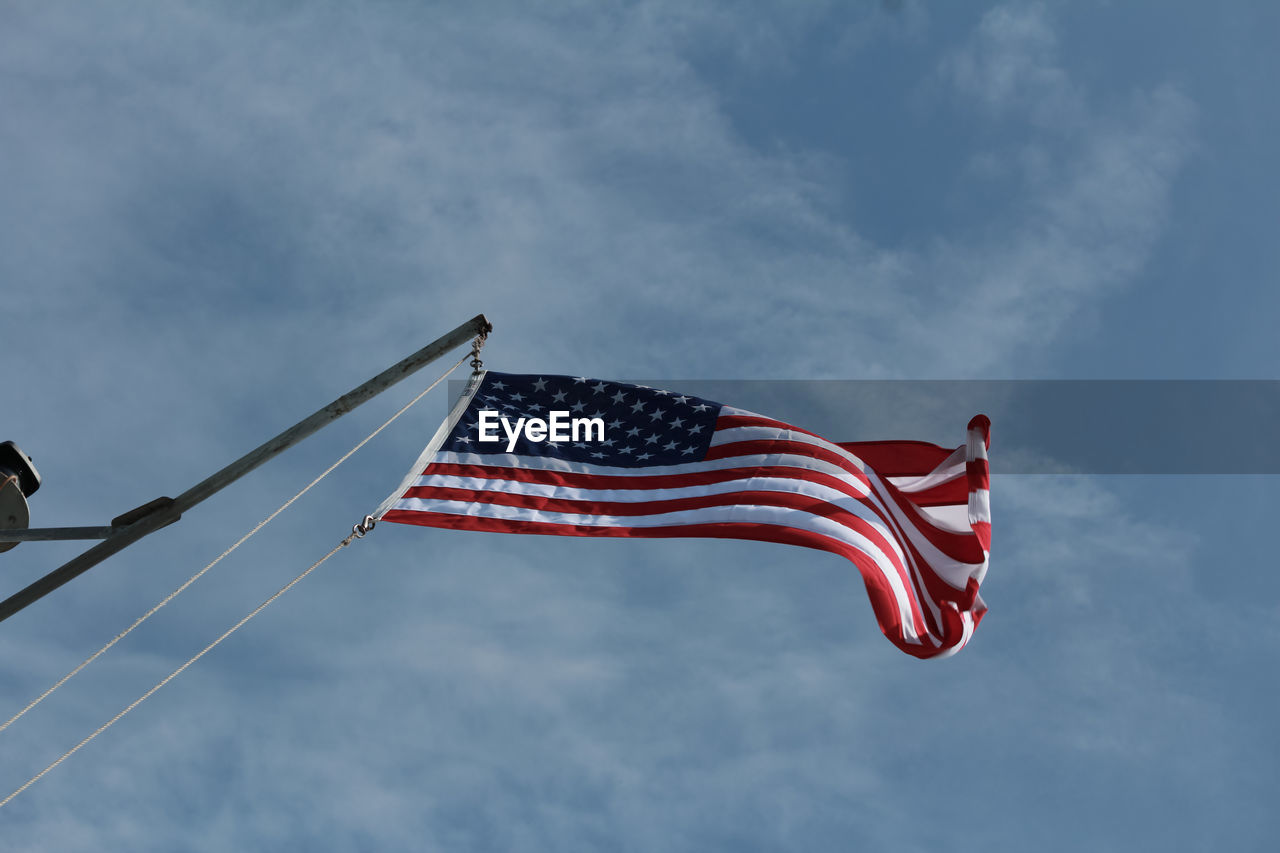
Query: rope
[
  {"x": 171, "y": 596},
  {"x": 136, "y": 702}
]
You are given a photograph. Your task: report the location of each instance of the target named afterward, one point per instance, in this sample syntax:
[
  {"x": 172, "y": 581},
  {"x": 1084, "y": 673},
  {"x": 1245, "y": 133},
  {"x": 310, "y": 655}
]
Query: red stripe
[
  {"x": 979, "y": 474},
  {"x": 781, "y": 446},
  {"x": 982, "y": 530},
  {"x": 959, "y": 546},
  {"x": 737, "y": 421},
  {"x": 783, "y": 500},
  {"x": 956, "y": 545},
  {"x": 899, "y": 458},
  {"x": 928, "y": 457},
  {"x": 962, "y": 547},
  {"x": 939, "y": 590},
  {"x": 888, "y": 458},
  {"x": 953, "y": 492},
  {"x": 642, "y": 482},
  {"x": 883, "y": 602},
  {"x": 982, "y": 424},
  {"x": 922, "y": 579}
]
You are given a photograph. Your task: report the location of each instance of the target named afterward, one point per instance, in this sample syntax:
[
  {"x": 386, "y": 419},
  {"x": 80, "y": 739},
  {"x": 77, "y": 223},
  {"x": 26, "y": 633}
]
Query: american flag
[{"x": 913, "y": 517}]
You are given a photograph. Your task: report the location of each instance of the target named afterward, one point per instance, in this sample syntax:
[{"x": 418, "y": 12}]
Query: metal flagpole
[{"x": 150, "y": 517}]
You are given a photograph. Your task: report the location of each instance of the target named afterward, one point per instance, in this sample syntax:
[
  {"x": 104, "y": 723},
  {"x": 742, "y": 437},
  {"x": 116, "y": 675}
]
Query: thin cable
[
  {"x": 171, "y": 596},
  {"x": 136, "y": 702}
]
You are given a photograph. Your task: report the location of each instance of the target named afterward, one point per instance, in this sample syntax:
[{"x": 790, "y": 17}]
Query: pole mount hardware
[
  {"x": 15, "y": 463},
  {"x": 149, "y": 508},
  {"x": 18, "y": 480}
]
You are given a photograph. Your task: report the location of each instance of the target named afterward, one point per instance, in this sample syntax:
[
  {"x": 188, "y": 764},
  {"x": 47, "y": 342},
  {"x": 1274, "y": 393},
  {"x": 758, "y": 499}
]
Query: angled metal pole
[
  {"x": 150, "y": 517},
  {"x": 53, "y": 534}
]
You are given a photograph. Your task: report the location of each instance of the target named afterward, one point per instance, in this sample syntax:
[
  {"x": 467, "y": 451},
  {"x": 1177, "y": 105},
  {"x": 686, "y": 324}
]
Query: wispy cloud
[
  {"x": 392, "y": 177},
  {"x": 216, "y": 220},
  {"x": 1094, "y": 173},
  {"x": 1012, "y": 65}
]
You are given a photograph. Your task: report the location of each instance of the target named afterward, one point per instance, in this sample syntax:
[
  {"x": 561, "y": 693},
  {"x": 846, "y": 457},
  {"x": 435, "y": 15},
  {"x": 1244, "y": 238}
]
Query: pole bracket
[{"x": 147, "y": 509}]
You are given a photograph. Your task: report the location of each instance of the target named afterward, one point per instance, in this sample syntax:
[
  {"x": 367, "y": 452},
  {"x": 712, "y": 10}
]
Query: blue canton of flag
[{"x": 642, "y": 426}]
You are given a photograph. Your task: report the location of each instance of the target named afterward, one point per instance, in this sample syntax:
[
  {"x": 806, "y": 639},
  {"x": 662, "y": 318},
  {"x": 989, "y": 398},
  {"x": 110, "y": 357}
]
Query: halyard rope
[
  {"x": 136, "y": 702},
  {"x": 171, "y": 596}
]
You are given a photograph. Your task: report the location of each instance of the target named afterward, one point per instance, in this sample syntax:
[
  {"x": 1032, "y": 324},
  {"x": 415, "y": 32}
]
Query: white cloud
[
  {"x": 1095, "y": 172},
  {"x": 1011, "y": 65},
  {"x": 215, "y": 223}
]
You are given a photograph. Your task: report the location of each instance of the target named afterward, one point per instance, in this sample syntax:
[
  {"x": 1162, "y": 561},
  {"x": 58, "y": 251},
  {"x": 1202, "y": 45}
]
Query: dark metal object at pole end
[
  {"x": 13, "y": 462},
  {"x": 19, "y": 479}
]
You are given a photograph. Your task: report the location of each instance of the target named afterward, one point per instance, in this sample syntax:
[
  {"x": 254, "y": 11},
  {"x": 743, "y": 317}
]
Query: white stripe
[
  {"x": 428, "y": 452},
  {"x": 760, "y": 484},
  {"x": 967, "y": 626},
  {"x": 886, "y": 502},
  {"x": 949, "y": 469},
  {"x": 777, "y": 516},
  {"x": 761, "y": 433},
  {"x": 951, "y": 517},
  {"x": 952, "y": 568},
  {"x": 550, "y": 463},
  {"x": 979, "y": 508},
  {"x": 953, "y": 572},
  {"x": 780, "y": 484},
  {"x": 916, "y": 573},
  {"x": 976, "y": 445}
]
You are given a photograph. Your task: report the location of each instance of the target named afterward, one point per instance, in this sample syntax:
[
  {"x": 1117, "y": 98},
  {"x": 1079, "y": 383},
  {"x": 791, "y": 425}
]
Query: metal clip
[
  {"x": 359, "y": 530},
  {"x": 476, "y": 346}
]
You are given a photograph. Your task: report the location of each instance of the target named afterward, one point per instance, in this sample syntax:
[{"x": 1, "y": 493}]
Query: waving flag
[{"x": 572, "y": 456}]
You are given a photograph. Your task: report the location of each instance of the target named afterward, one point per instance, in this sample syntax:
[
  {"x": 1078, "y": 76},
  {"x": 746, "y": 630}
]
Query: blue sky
[{"x": 215, "y": 219}]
